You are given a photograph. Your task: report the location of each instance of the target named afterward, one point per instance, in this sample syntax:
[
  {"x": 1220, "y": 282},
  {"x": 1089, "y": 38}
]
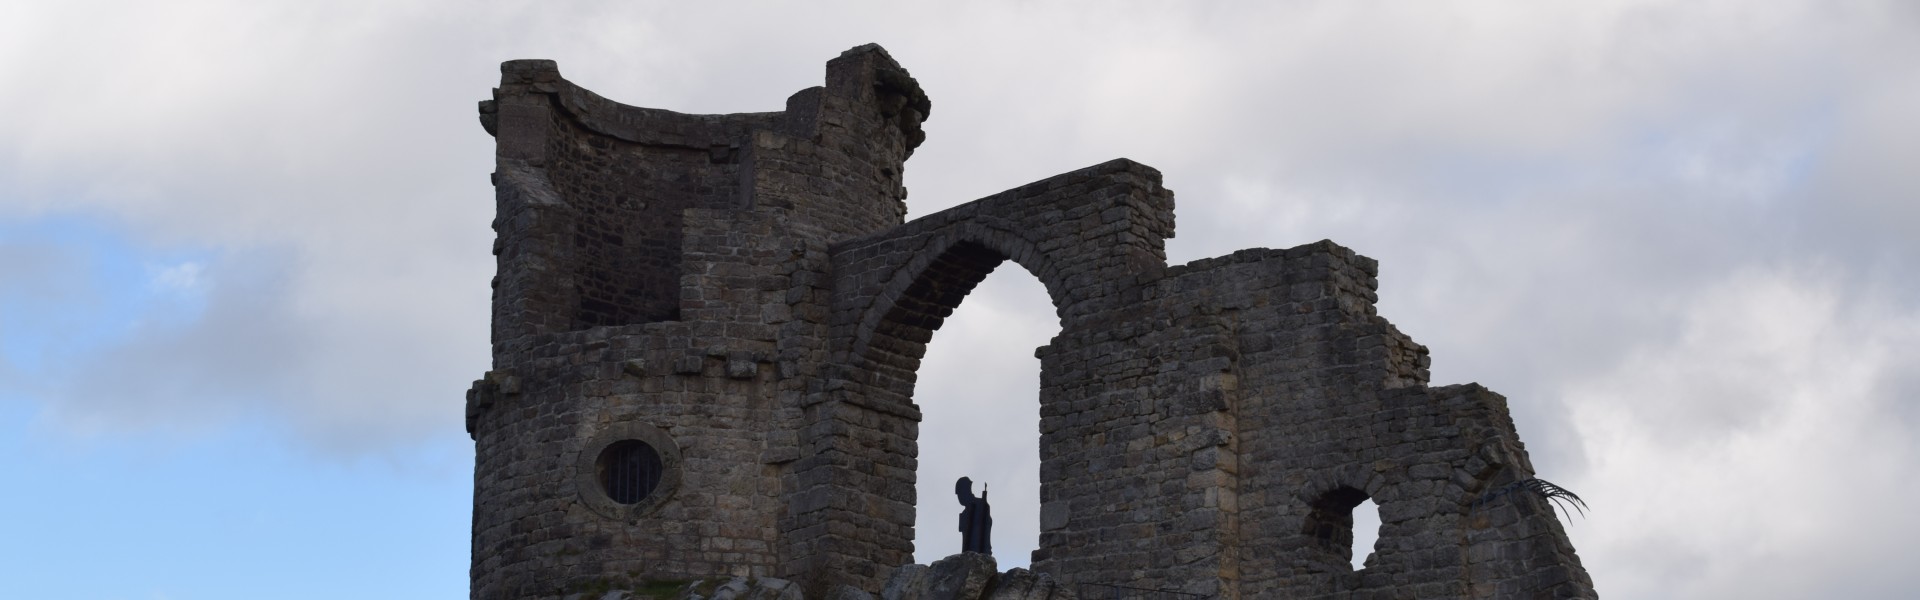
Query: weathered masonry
[{"x": 706, "y": 330}]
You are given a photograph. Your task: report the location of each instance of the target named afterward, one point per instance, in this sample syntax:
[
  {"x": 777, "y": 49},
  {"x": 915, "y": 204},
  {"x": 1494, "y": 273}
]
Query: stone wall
[
  {"x": 740, "y": 294},
  {"x": 660, "y": 275},
  {"x": 1086, "y": 234}
]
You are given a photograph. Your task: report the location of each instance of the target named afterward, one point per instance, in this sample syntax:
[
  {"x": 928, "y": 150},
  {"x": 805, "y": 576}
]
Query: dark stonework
[{"x": 741, "y": 291}]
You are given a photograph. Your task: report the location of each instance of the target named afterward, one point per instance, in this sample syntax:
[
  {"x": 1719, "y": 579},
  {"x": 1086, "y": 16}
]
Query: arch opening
[
  {"x": 1344, "y": 525},
  {"x": 978, "y": 394},
  {"x": 1366, "y": 532}
]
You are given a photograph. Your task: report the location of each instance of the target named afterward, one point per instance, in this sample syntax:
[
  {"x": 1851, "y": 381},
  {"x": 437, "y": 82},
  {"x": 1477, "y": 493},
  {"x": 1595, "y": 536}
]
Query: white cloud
[
  {"x": 1586, "y": 207},
  {"x": 179, "y": 278},
  {"x": 241, "y": 358},
  {"x": 1753, "y": 456}
]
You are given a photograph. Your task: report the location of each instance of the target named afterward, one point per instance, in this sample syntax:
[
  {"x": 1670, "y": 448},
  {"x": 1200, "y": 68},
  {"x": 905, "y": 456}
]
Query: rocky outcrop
[
  {"x": 964, "y": 576},
  {"x": 970, "y": 576},
  {"x": 847, "y": 592},
  {"x": 1021, "y": 584},
  {"x": 742, "y": 588}
]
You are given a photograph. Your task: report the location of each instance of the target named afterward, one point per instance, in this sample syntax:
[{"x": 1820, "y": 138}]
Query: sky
[{"x": 244, "y": 254}]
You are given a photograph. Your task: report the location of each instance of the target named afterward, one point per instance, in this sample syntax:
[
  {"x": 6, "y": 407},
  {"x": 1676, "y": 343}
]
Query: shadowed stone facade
[{"x": 740, "y": 292}]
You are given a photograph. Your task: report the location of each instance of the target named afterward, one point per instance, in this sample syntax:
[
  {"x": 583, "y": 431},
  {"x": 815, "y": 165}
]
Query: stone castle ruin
[{"x": 706, "y": 330}]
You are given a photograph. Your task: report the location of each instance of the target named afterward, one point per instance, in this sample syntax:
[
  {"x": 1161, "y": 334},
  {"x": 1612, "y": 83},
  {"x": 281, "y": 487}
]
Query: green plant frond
[{"x": 1558, "y": 496}]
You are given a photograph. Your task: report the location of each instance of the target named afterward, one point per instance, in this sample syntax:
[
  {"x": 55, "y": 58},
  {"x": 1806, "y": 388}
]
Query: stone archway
[
  {"x": 1088, "y": 236},
  {"x": 891, "y": 337},
  {"x": 977, "y": 399}
]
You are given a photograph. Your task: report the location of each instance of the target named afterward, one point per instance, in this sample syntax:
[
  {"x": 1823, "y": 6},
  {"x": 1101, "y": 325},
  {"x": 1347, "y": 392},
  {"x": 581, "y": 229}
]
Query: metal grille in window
[{"x": 629, "y": 471}]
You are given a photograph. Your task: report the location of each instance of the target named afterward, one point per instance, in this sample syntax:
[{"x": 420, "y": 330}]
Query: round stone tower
[{"x": 662, "y": 288}]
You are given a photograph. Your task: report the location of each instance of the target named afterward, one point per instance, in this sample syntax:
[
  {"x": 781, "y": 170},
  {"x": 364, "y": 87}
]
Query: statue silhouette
[{"x": 976, "y": 519}]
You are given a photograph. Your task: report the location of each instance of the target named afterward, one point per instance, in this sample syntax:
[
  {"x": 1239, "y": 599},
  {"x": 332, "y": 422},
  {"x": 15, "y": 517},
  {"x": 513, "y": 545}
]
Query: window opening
[
  {"x": 629, "y": 471},
  {"x": 978, "y": 389},
  {"x": 1341, "y": 531},
  {"x": 1366, "y": 532}
]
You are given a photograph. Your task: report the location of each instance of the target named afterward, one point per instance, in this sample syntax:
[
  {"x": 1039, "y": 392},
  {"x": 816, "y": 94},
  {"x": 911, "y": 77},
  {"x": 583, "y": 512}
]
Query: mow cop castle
[{"x": 706, "y": 330}]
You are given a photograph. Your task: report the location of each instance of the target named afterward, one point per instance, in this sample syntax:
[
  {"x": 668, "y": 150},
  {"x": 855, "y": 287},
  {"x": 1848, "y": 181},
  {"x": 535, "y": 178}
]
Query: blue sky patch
[{"x": 70, "y": 285}]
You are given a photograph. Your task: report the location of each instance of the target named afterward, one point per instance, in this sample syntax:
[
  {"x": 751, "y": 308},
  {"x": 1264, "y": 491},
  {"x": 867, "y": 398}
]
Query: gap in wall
[
  {"x": 1366, "y": 530},
  {"x": 979, "y": 395}
]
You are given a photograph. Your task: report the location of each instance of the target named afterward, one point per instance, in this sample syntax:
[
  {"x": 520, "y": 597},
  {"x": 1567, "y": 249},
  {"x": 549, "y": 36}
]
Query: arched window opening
[
  {"x": 1345, "y": 525},
  {"x": 1366, "y": 532},
  {"x": 978, "y": 389}
]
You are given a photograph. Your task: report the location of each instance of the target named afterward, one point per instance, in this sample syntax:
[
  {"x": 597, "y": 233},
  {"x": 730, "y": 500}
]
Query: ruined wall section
[
  {"x": 536, "y": 533},
  {"x": 738, "y": 292},
  {"x": 627, "y": 202},
  {"x": 1215, "y": 439},
  {"x": 711, "y": 384},
  {"x": 532, "y": 292},
  {"x": 838, "y": 156},
  {"x": 1330, "y": 406},
  {"x": 618, "y": 178},
  {"x": 1130, "y": 486},
  {"x": 1088, "y": 235},
  {"x": 663, "y": 278},
  {"x": 1141, "y": 445}
]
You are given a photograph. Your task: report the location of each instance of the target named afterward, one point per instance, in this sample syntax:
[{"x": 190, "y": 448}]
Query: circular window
[{"x": 629, "y": 471}]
